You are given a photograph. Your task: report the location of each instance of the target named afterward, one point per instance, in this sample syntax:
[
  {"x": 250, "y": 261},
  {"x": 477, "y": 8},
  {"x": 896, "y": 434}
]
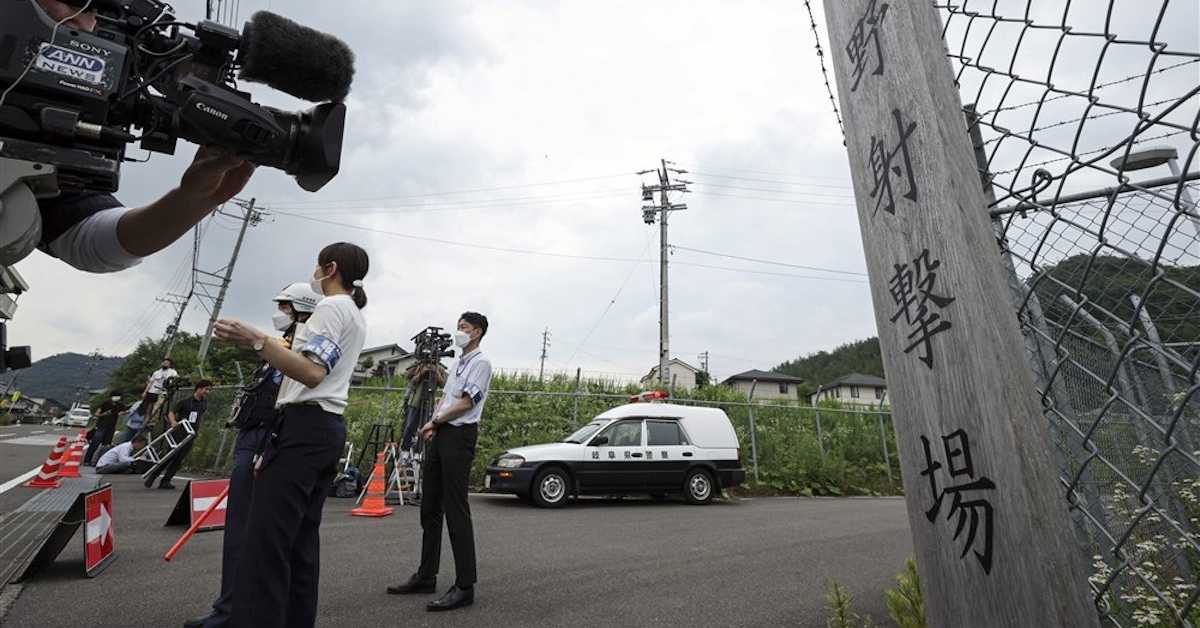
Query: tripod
[{"x": 418, "y": 410}]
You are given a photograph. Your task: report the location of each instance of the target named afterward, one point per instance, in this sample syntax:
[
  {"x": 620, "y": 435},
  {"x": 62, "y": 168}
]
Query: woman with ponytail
[{"x": 279, "y": 571}]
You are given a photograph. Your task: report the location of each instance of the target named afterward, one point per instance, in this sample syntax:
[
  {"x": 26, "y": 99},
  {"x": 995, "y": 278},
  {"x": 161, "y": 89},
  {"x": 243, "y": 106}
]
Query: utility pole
[
  {"x": 251, "y": 216},
  {"x": 545, "y": 346},
  {"x": 663, "y": 208},
  {"x": 181, "y": 302},
  {"x": 704, "y": 367}
]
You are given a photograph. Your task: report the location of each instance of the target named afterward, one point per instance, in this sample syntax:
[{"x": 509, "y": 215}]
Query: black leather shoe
[
  {"x": 197, "y": 622},
  {"x": 454, "y": 598},
  {"x": 166, "y": 486},
  {"x": 413, "y": 586}
]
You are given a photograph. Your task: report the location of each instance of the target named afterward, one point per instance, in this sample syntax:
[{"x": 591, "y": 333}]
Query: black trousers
[
  {"x": 237, "y": 509},
  {"x": 280, "y": 567},
  {"x": 445, "y": 476}
]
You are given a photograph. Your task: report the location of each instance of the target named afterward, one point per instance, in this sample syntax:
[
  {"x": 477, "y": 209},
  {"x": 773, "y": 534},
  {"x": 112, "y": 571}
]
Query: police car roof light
[{"x": 650, "y": 395}]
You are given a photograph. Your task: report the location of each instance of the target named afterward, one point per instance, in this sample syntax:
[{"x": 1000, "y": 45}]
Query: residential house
[
  {"x": 853, "y": 389},
  {"x": 393, "y": 366},
  {"x": 683, "y": 375},
  {"x": 769, "y": 385},
  {"x": 372, "y": 357}
]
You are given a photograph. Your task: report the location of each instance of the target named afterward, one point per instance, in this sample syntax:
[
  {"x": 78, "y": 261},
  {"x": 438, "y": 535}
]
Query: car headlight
[{"x": 510, "y": 461}]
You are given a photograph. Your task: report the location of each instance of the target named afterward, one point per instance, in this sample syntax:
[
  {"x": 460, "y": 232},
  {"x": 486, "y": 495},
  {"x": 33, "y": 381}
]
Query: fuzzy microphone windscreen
[{"x": 295, "y": 59}]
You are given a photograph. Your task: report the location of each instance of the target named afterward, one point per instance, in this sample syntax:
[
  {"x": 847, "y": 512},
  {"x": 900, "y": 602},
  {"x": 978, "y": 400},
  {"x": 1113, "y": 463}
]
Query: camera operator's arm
[
  {"x": 171, "y": 420},
  {"x": 214, "y": 177}
]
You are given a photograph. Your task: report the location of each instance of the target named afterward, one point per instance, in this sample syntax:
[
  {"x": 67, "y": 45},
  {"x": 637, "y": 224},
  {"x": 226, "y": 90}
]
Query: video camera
[
  {"x": 432, "y": 344},
  {"x": 175, "y": 383},
  {"x": 71, "y": 100}
]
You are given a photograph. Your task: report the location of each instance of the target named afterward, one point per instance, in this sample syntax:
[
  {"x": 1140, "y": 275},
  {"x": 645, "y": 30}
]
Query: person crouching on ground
[
  {"x": 119, "y": 459},
  {"x": 279, "y": 571}
]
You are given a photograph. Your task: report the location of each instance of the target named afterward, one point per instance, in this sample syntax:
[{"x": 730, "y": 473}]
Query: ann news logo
[{"x": 70, "y": 63}]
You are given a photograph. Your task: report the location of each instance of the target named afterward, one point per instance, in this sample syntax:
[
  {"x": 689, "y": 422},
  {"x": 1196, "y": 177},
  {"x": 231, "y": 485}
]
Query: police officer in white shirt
[
  {"x": 446, "y": 472},
  {"x": 277, "y": 576}
]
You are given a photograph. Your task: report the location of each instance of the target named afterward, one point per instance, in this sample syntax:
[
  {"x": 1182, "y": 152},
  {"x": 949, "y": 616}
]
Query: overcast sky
[{"x": 520, "y": 126}]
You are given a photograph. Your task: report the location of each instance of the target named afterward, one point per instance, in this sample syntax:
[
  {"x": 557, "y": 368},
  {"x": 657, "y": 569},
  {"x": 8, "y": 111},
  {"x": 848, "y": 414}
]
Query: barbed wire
[{"x": 824, "y": 71}]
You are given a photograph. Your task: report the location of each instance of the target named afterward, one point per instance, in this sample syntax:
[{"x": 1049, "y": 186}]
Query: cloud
[{"x": 520, "y": 125}]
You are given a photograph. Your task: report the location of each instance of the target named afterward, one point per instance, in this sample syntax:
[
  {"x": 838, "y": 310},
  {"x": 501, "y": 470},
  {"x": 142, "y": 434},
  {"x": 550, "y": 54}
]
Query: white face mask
[
  {"x": 461, "y": 339},
  {"x": 281, "y": 320},
  {"x": 315, "y": 284}
]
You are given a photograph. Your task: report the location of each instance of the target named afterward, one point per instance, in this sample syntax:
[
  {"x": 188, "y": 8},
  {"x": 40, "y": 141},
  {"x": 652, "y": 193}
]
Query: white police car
[{"x": 637, "y": 448}]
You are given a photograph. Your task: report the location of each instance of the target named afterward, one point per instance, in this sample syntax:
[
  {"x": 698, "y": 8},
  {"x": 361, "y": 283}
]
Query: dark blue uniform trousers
[
  {"x": 237, "y": 509},
  {"x": 278, "y": 574}
]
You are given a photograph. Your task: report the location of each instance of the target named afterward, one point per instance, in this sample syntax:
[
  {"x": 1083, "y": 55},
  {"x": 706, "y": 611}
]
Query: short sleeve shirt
[
  {"x": 332, "y": 337},
  {"x": 159, "y": 378},
  {"x": 471, "y": 377},
  {"x": 191, "y": 409}
]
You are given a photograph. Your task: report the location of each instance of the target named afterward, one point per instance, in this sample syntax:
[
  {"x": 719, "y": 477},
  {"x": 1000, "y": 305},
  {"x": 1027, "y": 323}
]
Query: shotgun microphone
[{"x": 295, "y": 59}]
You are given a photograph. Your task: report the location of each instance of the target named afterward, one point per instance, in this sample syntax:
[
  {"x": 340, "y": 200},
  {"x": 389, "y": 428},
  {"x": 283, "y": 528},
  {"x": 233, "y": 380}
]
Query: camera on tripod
[
  {"x": 432, "y": 344},
  {"x": 175, "y": 383}
]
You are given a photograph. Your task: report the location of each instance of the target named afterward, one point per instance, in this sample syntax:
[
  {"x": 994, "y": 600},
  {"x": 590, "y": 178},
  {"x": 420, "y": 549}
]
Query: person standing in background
[
  {"x": 451, "y": 436},
  {"x": 106, "y": 426}
]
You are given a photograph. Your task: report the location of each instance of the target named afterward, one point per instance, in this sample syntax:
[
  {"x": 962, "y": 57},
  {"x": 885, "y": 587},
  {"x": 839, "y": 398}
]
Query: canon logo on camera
[{"x": 212, "y": 111}]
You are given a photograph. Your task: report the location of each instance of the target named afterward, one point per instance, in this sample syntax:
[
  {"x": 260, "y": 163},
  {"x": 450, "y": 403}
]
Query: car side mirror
[{"x": 599, "y": 440}]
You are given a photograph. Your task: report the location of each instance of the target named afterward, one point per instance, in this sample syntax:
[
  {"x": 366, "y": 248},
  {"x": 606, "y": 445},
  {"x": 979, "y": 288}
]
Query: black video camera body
[
  {"x": 175, "y": 383},
  {"x": 71, "y": 99},
  {"x": 432, "y": 344}
]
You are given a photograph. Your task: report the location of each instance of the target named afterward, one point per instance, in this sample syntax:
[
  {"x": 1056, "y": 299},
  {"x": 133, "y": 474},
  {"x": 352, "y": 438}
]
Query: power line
[
  {"x": 767, "y": 261},
  {"x": 809, "y": 204},
  {"x": 452, "y": 192},
  {"x": 761, "y": 180},
  {"x": 793, "y": 192},
  {"x": 516, "y": 251},
  {"x": 608, "y": 307}
]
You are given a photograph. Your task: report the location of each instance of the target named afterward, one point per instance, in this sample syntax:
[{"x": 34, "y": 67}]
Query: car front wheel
[
  {"x": 698, "y": 487},
  {"x": 550, "y": 488}
]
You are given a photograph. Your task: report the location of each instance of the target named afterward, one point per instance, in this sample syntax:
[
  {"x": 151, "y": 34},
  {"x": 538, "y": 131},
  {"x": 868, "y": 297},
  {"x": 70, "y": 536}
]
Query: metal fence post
[
  {"x": 753, "y": 435},
  {"x": 887, "y": 461},
  {"x": 575, "y": 408},
  {"x": 820, "y": 437}
]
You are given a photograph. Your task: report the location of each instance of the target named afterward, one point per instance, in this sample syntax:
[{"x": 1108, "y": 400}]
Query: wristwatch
[{"x": 259, "y": 344}]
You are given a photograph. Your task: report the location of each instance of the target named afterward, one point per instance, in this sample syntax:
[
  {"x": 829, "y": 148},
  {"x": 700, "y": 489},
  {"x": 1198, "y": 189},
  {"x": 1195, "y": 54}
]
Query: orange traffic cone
[
  {"x": 74, "y": 459},
  {"x": 48, "y": 476},
  {"x": 374, "y": 506}
]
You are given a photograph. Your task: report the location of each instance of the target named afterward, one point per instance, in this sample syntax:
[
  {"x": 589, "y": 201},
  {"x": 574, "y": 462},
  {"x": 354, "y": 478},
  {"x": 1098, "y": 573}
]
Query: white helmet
[{"x": 302, "y": 297}]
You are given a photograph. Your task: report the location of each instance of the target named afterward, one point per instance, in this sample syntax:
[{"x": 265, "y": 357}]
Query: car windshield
[{"x": 584, "y": 432}]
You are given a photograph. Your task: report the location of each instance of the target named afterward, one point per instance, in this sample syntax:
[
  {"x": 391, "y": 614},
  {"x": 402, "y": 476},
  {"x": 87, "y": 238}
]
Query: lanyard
[{"x": 458, "y": 371}]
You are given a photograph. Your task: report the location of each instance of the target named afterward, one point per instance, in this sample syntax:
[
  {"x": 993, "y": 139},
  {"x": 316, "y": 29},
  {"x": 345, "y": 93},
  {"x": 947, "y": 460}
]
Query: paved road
[{"x": 753, "y": 562}]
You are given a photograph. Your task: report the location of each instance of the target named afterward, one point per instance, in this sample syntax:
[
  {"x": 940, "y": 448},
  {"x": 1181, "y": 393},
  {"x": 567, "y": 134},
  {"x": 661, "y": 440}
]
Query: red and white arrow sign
[
  {"x": 98, "y": 532},
  {"x": 204, "y": 493}
]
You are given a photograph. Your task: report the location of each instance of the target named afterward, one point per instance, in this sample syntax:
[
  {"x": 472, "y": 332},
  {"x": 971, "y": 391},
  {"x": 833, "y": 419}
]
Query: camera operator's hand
[
  {"x": 429, "y": 429},
  {"x": 215, "y": 176}
]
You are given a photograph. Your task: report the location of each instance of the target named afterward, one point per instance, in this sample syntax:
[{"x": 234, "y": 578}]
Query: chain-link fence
[
  {"x": 1086, "y": 121},
  {"x": 785, "y": 447}
]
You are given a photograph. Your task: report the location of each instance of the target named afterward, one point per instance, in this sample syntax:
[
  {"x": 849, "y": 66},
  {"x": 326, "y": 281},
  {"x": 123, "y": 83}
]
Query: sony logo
[{"x": 217, "y": 113}]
